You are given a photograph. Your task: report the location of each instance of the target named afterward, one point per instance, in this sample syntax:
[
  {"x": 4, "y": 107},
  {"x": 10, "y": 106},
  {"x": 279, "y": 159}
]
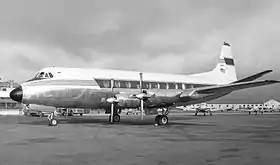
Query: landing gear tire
[
  {"x": 116, "y": 118},
  {"x": 53, "y": 122},
  {"x": 195, "y": 114},
  {"x": 161, "y": 119},
  {"x": 81, "y": 114},
  {"x": 210, "y": 113}
]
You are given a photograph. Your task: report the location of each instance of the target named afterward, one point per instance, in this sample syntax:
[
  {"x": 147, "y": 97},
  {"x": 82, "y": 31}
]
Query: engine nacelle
[{"x": 151, "y": 111}]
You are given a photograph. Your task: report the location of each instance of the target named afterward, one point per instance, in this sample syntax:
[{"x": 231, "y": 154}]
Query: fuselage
[{"x": 89, "y": 88}]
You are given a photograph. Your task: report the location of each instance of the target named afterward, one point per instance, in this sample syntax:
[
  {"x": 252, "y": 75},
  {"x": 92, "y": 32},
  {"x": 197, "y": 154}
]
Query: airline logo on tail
[{"x": 226, "y": 58}]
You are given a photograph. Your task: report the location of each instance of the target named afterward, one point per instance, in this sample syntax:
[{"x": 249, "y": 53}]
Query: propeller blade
[
  {"x": 141, "y": 82},
  {"x": 142, "y": 109},
  {"x": 112, "y": 100},
  {"x": 112, "y": 112}
]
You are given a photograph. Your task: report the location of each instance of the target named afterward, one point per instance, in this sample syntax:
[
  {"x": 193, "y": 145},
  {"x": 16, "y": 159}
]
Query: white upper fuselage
[
  {"x": 92, "y": 74},
  {"x": 223, "y": 73}
]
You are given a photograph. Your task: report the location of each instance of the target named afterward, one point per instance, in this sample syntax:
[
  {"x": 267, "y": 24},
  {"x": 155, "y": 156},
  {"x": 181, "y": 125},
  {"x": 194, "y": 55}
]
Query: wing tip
[
  {"x": 268, "y": 71},
  {"x": 272, "y": 81}
]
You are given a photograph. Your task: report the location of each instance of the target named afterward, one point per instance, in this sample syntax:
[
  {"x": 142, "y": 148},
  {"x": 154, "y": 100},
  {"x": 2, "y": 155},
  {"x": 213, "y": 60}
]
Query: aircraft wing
[
  {"x": 250, "y": 110},
  {"x": 232, "y": 87},
  {"x": 215, "y": 110},
  {"x": 187, "y": 109},
  {"x": 190, "y": 110},
  {"x": 253, "y": 77}
]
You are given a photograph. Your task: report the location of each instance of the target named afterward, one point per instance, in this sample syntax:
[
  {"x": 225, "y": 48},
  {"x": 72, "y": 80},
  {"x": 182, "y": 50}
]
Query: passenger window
[
  {"x": 106, "y": 83},
  {"x": 117, "y": 84},
  {"x": 179, "y": 86},
  {"x": 154, "y": 85},
  {"x": 171, "y": 86},
  {"x": 187, "y": 86},
  {"x": 134, "y": 84},
  {"x": 124, "y": 84},
  {"x": 103, "y": 83},
  {"x": 162, "y": 85},
  {"x": 146, "y": 85},
  {"x": 51, "y": 75},
  {"x": 157, "y": 85},
  {"x": 127, "y": 84}
]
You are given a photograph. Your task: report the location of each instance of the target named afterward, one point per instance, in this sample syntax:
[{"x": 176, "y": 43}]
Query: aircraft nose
[{"x": 16, "y": 94}]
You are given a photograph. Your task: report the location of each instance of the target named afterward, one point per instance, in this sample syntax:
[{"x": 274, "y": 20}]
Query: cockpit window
[
  {"x": 51, "y": 75},
  {"x": 41, "y": 75},
  {"x": 46, "y": 75}
]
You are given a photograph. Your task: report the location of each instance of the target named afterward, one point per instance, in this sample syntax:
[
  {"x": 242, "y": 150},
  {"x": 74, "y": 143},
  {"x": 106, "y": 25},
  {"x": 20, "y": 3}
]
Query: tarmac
[{"x": 235, "y": 139}]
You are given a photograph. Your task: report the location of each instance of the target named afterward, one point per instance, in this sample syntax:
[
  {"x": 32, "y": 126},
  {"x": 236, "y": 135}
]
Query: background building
[
  {"x": 5, "y": 101},
  {"x": 269, "y": 105}
]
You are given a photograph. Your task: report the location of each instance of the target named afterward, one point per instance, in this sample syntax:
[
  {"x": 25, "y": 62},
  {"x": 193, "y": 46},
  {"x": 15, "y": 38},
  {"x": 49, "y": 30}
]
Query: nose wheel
[
  {"x": 161, "y": 120},
  {"x": 53, "y": 122}
]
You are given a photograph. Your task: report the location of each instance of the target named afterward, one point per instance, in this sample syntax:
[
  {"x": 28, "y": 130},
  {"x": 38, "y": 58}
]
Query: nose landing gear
[{"x": 52, "y": 120}]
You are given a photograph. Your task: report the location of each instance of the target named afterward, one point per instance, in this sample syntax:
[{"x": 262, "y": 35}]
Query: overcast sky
[{"x": 173, "y": 36}]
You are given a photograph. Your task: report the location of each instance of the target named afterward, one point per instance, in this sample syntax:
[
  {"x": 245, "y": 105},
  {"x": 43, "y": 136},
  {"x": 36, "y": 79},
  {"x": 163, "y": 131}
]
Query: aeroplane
[
  {"x": 255, "y": 110},
  {"x": 202, "y": 109},
  {"x": 114, "y": 90},
  {"x": 199, "y": 110}
]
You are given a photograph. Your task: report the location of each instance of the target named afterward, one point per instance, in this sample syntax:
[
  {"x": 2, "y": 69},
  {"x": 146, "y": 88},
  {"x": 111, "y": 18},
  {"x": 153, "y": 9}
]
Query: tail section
[
  {"x": 225, "y": 69},
  {"x": 224, "y": 72}
]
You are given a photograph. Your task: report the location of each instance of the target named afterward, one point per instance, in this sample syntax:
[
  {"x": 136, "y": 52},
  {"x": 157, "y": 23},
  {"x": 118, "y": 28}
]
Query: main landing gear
[
  {"x": 116, "y": 118},
  {"x": 161, "y": 120}
]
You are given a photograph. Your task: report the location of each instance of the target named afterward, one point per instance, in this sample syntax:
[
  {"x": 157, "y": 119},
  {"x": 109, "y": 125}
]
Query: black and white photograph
[{"x": 134, "y": 82}]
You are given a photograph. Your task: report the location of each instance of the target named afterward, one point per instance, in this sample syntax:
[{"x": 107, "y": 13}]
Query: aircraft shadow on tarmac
[{"x": 172, "y": 122}]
